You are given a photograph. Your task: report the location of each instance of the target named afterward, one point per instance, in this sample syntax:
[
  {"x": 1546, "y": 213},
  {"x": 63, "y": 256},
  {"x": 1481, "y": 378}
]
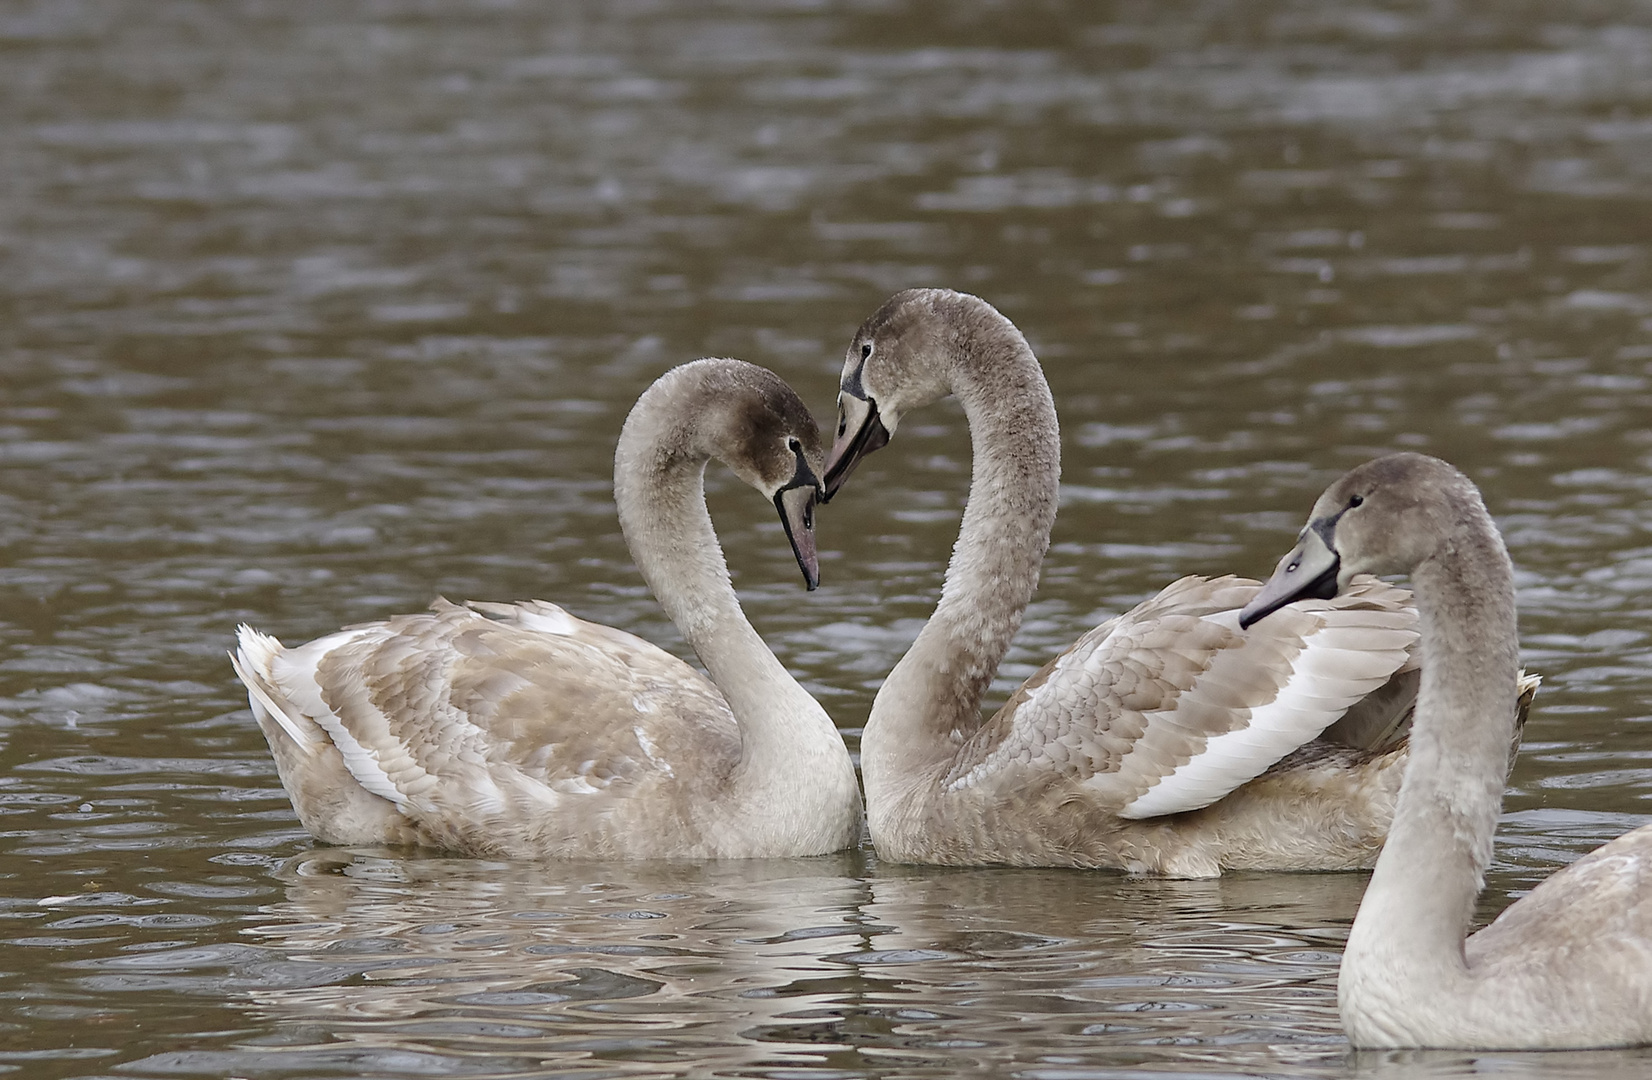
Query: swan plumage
[
  {"x": 522, "y": 731},
  {"x": 1165, "y": 741},
  {"x": 1568, "y": 966}
]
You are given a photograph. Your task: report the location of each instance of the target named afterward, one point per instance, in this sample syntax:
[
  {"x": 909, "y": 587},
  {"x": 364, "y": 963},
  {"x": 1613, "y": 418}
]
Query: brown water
[{"x": 314, "y": 311}]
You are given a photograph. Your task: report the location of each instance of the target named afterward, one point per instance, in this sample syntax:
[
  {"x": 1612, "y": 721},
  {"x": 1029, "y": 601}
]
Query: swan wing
[
  {"x": 1171, "y": 706},
  {"x": 462, "y": 713}
]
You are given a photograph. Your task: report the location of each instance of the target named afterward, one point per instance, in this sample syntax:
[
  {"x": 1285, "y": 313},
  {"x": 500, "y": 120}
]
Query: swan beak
[
  {"x": 796, "y": 504},
  {"x": 860, "y": 431},
  {"x": 1310, "y": 570}
]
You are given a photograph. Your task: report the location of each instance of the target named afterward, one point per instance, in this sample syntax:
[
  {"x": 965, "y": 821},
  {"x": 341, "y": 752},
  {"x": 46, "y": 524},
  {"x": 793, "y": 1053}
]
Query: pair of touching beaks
[{"x": 860, "y": 431}]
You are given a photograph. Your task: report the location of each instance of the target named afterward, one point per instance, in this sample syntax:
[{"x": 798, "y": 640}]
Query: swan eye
[
  {"x": 1355, "y": 500},
  {"x": 793, "y": 445},
  {"x": 1292, "y": 566},
  {"x": 865, "y": 352}
]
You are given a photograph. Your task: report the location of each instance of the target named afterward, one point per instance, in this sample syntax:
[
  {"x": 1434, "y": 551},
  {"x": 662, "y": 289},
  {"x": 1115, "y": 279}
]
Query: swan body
[
  {"x": 1166, "y": 741},
  {"x": 1569, "y": 965},
  {"x": 521, "y": 731}
]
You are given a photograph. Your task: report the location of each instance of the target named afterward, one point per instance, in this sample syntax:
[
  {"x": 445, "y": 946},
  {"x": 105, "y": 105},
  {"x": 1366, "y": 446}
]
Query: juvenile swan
[
  {"x": 520, "y": 731},
  {"x": 1164, "y": 741},
  {"x": 1570, "y": 965}
]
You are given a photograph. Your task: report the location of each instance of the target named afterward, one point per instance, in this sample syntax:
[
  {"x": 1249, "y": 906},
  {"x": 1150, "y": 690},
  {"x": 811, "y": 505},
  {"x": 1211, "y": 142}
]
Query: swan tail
[
  {"x": 1526, "y": 688},
  {"x": 254, "y": 660}
]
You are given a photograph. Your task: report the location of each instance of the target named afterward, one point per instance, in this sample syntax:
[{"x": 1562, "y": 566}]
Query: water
[{"x": 313, "y": 312}]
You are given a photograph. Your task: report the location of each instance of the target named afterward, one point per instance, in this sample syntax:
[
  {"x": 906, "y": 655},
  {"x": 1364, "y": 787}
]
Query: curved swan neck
[
  {"x": 934, "y": 694},
  {"x": 659, "y": 487},
  {"x": 1418, "y": 907}
]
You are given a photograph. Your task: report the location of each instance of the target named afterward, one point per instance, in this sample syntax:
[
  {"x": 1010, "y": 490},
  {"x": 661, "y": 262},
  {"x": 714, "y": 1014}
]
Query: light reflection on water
[
  {"x": 316, "y": 312},
  {"x": 808, "y": 963}
]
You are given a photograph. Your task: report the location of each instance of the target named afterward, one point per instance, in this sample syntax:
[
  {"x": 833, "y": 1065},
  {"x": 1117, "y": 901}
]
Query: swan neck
[
  {"x": 1420, "y": 902},
  {"x": 660, "y": 492},
  {"x": 933, "y": 697}
]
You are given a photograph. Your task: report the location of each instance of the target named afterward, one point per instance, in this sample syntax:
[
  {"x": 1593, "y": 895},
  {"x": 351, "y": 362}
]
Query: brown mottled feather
[
  {"x": 479, "y": 723},
  {"x": 1143, "y": 693}
]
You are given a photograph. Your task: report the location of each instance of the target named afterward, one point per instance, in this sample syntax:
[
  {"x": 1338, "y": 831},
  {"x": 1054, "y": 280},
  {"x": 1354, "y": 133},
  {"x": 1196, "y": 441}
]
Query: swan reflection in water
[
  {"x": 806, "y": 963},
  {"x": 375, "y": 963}
]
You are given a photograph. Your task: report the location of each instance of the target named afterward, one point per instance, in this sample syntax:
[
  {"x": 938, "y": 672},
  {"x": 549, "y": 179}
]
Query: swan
[
  {"x": 521, "y": 731},
  {"x": 1164, "y": 741},
  {"x": 1568, "y": 966}
]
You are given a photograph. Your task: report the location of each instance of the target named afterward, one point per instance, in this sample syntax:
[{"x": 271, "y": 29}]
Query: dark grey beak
[
  {"x": 797, "y": 514},
  {"x": 860, "y": 431},
  {"x": 796, "y": 503},
  {"x": 1310, "y": 570}
]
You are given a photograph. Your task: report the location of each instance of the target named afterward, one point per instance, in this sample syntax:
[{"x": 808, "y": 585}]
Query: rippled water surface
[{"x": 314, "y": 311}]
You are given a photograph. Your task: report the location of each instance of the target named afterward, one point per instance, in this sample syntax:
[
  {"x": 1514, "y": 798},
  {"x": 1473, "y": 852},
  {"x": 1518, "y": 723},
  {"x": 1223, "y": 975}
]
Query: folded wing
[
  {"x": 1171, "y": 706},
  {"x": 459, "y": 714}
]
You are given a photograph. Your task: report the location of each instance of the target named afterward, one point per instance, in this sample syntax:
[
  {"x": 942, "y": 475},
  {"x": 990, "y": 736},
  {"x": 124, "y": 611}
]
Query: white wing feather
[{"x": 1337, "y": 667}]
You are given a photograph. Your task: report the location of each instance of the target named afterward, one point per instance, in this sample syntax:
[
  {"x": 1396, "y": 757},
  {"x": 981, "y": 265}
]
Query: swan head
[
  {"x": 769, "y": 439},
  {"x": 1387, "y": 516},
  {"x": 743, "y": 415},
  {"x": 899, "y": 360}
]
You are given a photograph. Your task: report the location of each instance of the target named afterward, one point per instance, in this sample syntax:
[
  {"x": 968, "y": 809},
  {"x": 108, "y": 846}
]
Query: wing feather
[
  {"x": 457, "y": 713},
  {"x": 1171, "y": 706}
]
